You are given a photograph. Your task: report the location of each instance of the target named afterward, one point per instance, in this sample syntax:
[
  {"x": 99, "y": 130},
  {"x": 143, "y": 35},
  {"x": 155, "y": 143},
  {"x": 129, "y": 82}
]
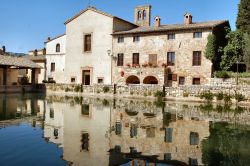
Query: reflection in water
[{"x": 123, "y": 132}]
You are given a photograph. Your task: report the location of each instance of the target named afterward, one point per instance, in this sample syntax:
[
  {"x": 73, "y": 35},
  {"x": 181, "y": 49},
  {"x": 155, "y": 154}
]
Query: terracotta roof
[
  {"x": 54, "y": 38},
  {"x": 97, "y": 11},
  {"x": 6, "y": 60},
  {"x": 174, "y": 27},
  {"x": 36, "y": 58}
]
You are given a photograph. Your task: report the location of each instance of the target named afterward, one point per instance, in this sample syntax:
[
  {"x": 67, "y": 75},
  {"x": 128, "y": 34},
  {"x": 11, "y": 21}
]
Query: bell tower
[{"x": 143, "y": 15}]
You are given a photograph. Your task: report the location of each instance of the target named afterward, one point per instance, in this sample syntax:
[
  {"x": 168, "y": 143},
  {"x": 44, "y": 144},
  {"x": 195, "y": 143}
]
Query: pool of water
[{"x": 64, "y": 130}]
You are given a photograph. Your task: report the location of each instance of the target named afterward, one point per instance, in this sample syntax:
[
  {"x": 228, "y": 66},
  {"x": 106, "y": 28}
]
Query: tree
[
  {"x": 211, "y": 48},
  {"x": 247, "y": 51},
  {"x": 233, "y": 51},
  {"x": 243, "y": 19}
]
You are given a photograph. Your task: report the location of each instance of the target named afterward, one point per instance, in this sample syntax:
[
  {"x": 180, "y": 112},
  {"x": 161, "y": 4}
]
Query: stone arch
[
  {"x": 132, "y": 80},
  {"x": 150, "y": 80}
]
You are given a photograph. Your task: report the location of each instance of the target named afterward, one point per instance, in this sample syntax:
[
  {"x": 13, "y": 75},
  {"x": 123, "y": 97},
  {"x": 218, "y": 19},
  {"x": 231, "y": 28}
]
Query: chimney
[
  {"x": 188, "y": 18},
  {"x": 4, "y": 49},
  {"x": 157, "y": 21},
  {"x": 35, "y": 52},
  {"x": 48, "y": 39}
]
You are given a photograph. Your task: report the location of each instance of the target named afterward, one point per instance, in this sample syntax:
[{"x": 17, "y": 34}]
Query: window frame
[
  {"x": 52, "y": 67},
  {"x": 58, "y": 48},
  {"x": 136, "y": 39},
  {"x": 170, "y": 56},
  {"x": 136, "y": 60},
  {"x": 194, "y": 81},
  {"x": 120, "y": 59},
  {"x": 196, "y": 58},
  {"x": 100, "y": 78},
  {"x": 197, "y": 35},
  {"x": 171, "y": 36},
  {"x": 181, "y": 82},
  {"x": 120, "y": 39},
  {"x": 87, "y": 46}
]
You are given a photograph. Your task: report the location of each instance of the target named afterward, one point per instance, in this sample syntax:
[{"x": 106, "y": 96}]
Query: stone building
[{"x": 169, "y": 55}]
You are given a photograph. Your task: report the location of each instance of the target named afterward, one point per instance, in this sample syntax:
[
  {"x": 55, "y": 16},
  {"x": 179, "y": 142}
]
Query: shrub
[
  {"x": 145, "y": 94},
  {"x": 227, "y": 98},
  {"x": 239, "y": 97},
  {"x": 24, "y": 80},
  {"x": 77, "y": 88},
  {"x": 159, "y": 94},
  {"x": 45, "y": 81},
  {"x": 105, "y": 89},
  {"x": 98, "y": 91},
  {"x": 149, "y": 93},
  {"x": 67, "y": 89},
  {"x": 219, "y": 96},
  {"x": 52, "y": 81},
  {"x": 131, "y": 92},
  {"x": 222, "y": 74},
  {"x": 207, "y": 95},
  {"x": 185, "y": 94}
]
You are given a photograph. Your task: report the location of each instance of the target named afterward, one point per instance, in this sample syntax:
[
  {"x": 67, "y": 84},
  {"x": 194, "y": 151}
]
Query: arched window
[
  {"x": 132, "y": 80},
  {"x": 139, "y": 15},
  {"x": 150, "y": 80},
  {"x": 144, "y": 15},
  {"x": 58, "y": 47}
]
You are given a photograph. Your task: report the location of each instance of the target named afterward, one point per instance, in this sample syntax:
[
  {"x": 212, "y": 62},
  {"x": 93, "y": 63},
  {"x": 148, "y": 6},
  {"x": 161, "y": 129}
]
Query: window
[
  {"x": 193, "y": 162},
  {"x": 120, "y": 39},
  {"x": 52, "y": 67},
  {"x": 171, "y": 36},
  {"x": 167, "y": 156},
  {"x": 170, "y": 77},
  {"x": 85, "y": 141},
  {"x": 152, "y": 59},
  {"x": 118, "y": 128},
  {"x": 196, "y": 58},
  {"x": 85, "y": 109},
  {"x": 168, "y": 134},
  {"x": 72, "y": 79},
  {"x": 133, "y": 130},
  {"x": 51, "y": 113},
  {"x": 120, "y": 59},
  {"x": 181, "y": 80},
  {"x": 58, "y": 47},
  {"x": 171, "y": 59},
  {"x": 197, "y": 34},
  {"x": 87, "y": 43},
  {"x": 100, "y": 80},
  {"x": 196, "y": 81},
  {"x": 194, "y": 138},
  {"x": 135, "y": 59},
  {"x": 136, "y": 38},
  {"x": 139, "y": 15},
  {"x": 144, "y": 14}
]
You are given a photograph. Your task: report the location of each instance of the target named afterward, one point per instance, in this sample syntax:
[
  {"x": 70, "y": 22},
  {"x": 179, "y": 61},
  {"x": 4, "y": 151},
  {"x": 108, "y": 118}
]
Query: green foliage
[
  {"x": 247, "y": 50},
  {"x": 227, "y": 98},
  {"x": 185, "y": 94},
  {"x": 239, "y": 97},
  {"x": 159, "y": 94},
  {"x": 211, "y": 48},
  {"x": 77, "y": 88},
  {"x": 105, "y": 89},
  {"x": 219, "y": 96},
  {"x": 207, "y": 95},
  {"x": 221, "y": 74},
  {"x": 24, "y": 80},
  {"x": 67, "y": 89},
  {"x": 105, "y": 102},
  {"x": 243, "y": 19},
  {"x": 233, "y": 51}
]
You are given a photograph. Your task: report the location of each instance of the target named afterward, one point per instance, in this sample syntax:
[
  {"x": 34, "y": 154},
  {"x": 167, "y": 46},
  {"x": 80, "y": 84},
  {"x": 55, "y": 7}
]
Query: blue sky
[{"x": 26, "y": 24}]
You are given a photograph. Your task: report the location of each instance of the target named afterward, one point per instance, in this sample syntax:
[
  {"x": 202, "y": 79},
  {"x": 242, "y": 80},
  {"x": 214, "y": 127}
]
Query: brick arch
[
  {"x": 150, "y": 80},
  {"x": 132, "y": 80}
]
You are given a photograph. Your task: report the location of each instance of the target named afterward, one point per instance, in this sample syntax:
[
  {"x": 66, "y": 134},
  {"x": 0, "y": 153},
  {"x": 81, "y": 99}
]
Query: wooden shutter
[{"x": 152, "y": 59}]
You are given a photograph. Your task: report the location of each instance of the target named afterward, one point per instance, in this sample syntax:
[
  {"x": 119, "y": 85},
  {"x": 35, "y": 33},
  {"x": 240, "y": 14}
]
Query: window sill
[{"x": 87, "y": 52}]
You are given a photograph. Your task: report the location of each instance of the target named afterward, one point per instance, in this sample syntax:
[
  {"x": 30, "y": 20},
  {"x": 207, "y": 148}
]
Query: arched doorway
[
  {"x": 132, "y": 80},
  {"x": 150, "y": 80}
]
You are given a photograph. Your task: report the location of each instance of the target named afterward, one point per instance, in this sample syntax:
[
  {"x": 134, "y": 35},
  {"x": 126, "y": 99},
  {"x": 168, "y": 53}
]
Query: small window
[
  {"x": 50, "y": 79},
  {"x": 152, "y": 59},
  {"x": 171, "y": 59},
  {"x": 135, "y": 60},
  {"x": 52, "y": 67},
  {"x": 197, "y": 34},
  {"x": 193, "y": 162},
  {"x": 51, "y": 113},
  {"x": 171, "y": 36},
  {"x": 170, "y": 77},
  {"x": 118, "y": 128},
  {"x": 144, "y": 14},
  {"x": 168, "y": 134},
  {"x": 196, "y": 58},
  {"x": 196, "y": 81},
  {"x": 136, "y": 38},
  {"x": 167, "y": 156},
  {"x": 181, "y": 80},
  {"x": 133, "y": 130},
  {"x": 139, "y": 15},
  {"x": 120, "y": 59},
  {"x": 87, "y": 43},
  {"x": 85, "y": 141},
  {"x": 100, "y": 80},
  {"x": 85, "y": 109},
  {"x": 72, "y": 79},
  {"x": 58, "y": 48},
  {"x": 194, "y": 138},
  {"x": 120, "y": 39}
]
